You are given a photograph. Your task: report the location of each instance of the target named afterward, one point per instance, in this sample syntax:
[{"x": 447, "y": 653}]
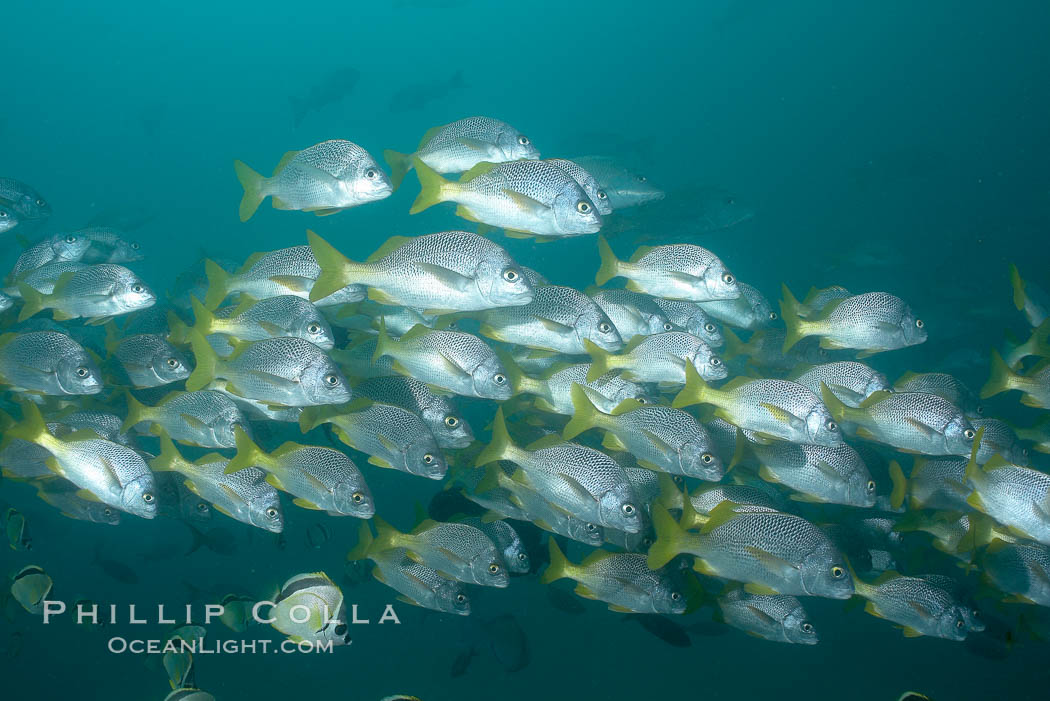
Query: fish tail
[
  {"x": 668, "y": 537},
  {"x": 1017, "y": 282},
  {"x": 734, "y": 346},
  {"x": 203, "y": 319},
  {"x": 199, "y": 539},
  {"x": 384, "y": 344},
  {"x": 32, "y": 302},
  {"x": 386, "y": 536},
  {"x": 501, "y": 445},
  {"x": 336, "y": 268},
  {"x": 559, "y": 566},
  {"x": 248, "y": 453},
  {"x": 1001, "y": 378},
  {"x": 218, "y": 284},
  {"x": 973, "y": 473},
  {"x": 431, "y": 187},
  {"x": 740, "y": 446},
  {"x": 602, "y": 361},
  {"x": 584, "y": 415},
  {"x": 1039, "y": 343},
  {"x": 177, "y": 328},
  {"x": 610, "y": 265},
  {"x": 364, "y": 543},
  {"x": 900, "y": 485},
  {"x": 169, "y": 455},
  {"x": 310, "y": 418},
  {"x": 400, "y": 164},
  {"x": 30, "y": 428},
  {"x": 790, "y": 312},
  {"x": 112, "y": 339},
  {"x": 206, "y": 362},
  {"x": 252, "y": 183},
  {"x": 696, "y": 390},
  {"x": 839, "y": 411},
  {"x": 137, "y": 413}
]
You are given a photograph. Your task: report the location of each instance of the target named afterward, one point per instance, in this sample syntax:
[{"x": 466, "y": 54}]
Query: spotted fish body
[
  {"x": 911, "y": 421},
  {"x": 624, "y": 187},
  {"x": 420, "y": 584},
  {"x": 555, "y": 389},
  {"x": 944, "y": 386},
  {"x": 1013, "y": 495},
  {"x": 60, "y": 248},
  {"x": 870, "y": 322},
  {"x": 679, "y": 271},
  {"x": 774, "y": 617},
  {"x": 205, "y": 418},
  {"x": 922, "y": 607},
  {"x": 691, "y": 317},
  {"x": 449, "y": 427},
  {"x": 751, "y": 310},
  {"x": 286, "y": 271},
  {"x": 587, "y": 181},
  {"x": 271, "y": 317},
  {"x": 663, "y": 357},
  {"x": 49, "y": 363},
  {"x": 150, "y": 361},
  {"x": 632, "y": 313},
  {"x": 1021, "y": 569},
  {"x": 97, "y": 291},
  {"x": 822, "y": 474},
  {"x": 456, "y": 549},
  {"x": 850, "y": 381}
]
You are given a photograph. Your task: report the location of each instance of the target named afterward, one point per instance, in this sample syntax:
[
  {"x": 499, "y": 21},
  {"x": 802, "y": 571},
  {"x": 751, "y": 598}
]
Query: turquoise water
[{"x": 895, "y": 147}]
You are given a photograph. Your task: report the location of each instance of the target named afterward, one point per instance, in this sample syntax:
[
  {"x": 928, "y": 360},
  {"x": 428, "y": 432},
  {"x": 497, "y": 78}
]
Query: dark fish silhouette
[
  {"x": 665, "y": 629},
  {"x": 415, "y": 97},
  {"x": 331, "y": 90}
]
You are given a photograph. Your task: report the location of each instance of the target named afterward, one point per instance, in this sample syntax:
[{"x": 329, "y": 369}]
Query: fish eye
[
  {"x": 340, "y": 630},
  {"x": 675, "y": 596},
  {"x": 82, "y": 371},
  {"x": 641, "y": 400},
  {"x": 728, "y": 278},
  {"x": 772, "y": 316},
  {"x": 71, "y": 239},
  {"x": 605, "y": 327},
  {"x": 715, "y": 361},
  {"x": 499, "y": 378},
  {"x": 147, "y": 497},
  {"x": 203, "y": 507},
  {"x": 461, "y": 598},
  {"x": 138, "y": 288},
  {"x": 493, "y": 568},
  {"x": 975, "y": 613},
  {"x": 602, "y": 195},
  {"x": 510, "y": 275},
  {"x": 522, "y": 557},
  {"x": 837, "y": 572},
  {"x": 959, "y": 623},
  {"x": 135, "y": 245},
  {"x": 643, "y": 179},
  {"x": 919, "y": 323},
  {"x": 451, "y": 421},
  {"x": 807, "y": 627},
  {"x": 314, "y": 328},
  {"x": 628, "y": 509},
  {"x": 40, "y": 203},
  {"x": 871, "y": 486},
  {"x": 582, "y": 207},
  {"x": 3, "y": 214},
  {"x": 832, "y": 426},
  {"x": 428, "y": 458},
  {"x": 591, "y": 528},
  {"x": 358, "y": 497},
  {"x": 969, "y": 433},
  {"x": 980, "y": 409},
  {"x": 107, "y": 512},
  {"x": 272, "y": 512},
  {"x": 331, "y": 380},
  {"x": 523, "y": 140},
  {"x": 173, "y": 363},
  {"x": 707, "y": 458},
  {"x": 709, "y": 327},
  {"x": 730, "y": 200},
  {"x": 668, "y": 326},
  {"x": 371, "y": 173},
  {"x": 678, "y": 480}
]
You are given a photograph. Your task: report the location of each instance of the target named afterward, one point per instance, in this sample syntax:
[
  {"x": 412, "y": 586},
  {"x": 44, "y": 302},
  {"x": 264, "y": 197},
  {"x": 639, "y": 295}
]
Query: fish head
[
  {"x": 264, "y": 511},
  {"x": 574, "y": 213},
  {"x": 958, "y": 435},
  {"x": 8, "y": 218},
  {"x": 951, "y": 624},
  {"x": 131, "y": 293},
  {"x": 516, "y": 557},
  {"x": 452, "y": 597},
  {"x": 913, "y": 328},
  {"x": 821, "y": 427},
  {"x": 125, "y": 252},
  {"x": 707, "y": 331},
  {"x": 323, "y": 382},
  {"x": 512, "y": 145},
  {"x": 717, "y": 283},
  {"x": 709, "y": 365},
  {"x": 77, "y": 373},
  {"x": 354, "y": 499},
  {"x": 619, "y": 508},
  {"x": 423, "y": 458},
  {"x": 139, "y": 496},
  {"x": 103, "y": 513},
  {"x": 860, "y": 488},
  {"x": 656, "y": 323},
  {"x": 449, "y": 428},
  {"x": 798, "y": 629},
  {"x": 502, "y": 282},
  {"x": 491, "y": 380},
  {"x": 594, "y": 326},
  {"x": 69, "y": 247},
  {"x": 700, "y": 461},
  {"x": 488, "y": 569},
  {"x": 877, "y": 382},
  {"x": 169, "y": 364},
  {"x": 366, "y": 182},
  {"x": 585, "y": 532},
  {"x": 315, "y": 329},
  {"x": 824, "y": 573}
]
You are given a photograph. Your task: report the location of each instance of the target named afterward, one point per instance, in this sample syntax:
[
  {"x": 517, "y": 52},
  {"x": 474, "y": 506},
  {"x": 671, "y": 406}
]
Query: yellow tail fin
[
  {"x": 32, "y": 302},
  {"x": 218, "y": 284},
  {"x": 610, "y": 265},
  {"x": 252, "y": 183},
  {"x": 431, "y": 185},
  {"x": 585, "y": 414},
  {"x": 137, "y": 413},
  {"x": 500, "y": 445},
  {"x": 789, "y": 311},
  {"x": 248, "y": 453},
  {"x": 558, "y": 568},
  {"x": 335, "y": 268},
  {"x": 206, "y": 362},
  {"x": 694, "y": 391},
  {"x": 668, "y": 537},
  {"x": 1000, "y": 379},
  {"x": 400, "y": 164}
]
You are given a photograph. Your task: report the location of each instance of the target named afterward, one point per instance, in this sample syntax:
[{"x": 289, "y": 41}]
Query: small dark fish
[
  {"x": 331, "y": 90},
  {"x": 665, "y": 629},
  {"x": 355, "y": 572},
  {"x": 116, "y": 570},
  {"x": 449, "y": 503},
  {"x": 317, "y": 535},
  {"x": 462, "y": 662},
  {"x": 415, "y": 97},
  {"x": 508, "y": 642},
  {"x": 564, "y": 601},
  {"x": 219, "y": 540}
]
